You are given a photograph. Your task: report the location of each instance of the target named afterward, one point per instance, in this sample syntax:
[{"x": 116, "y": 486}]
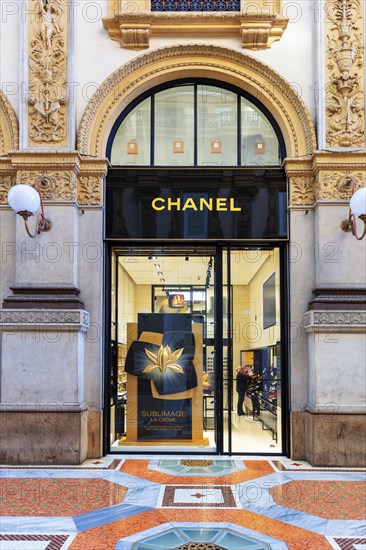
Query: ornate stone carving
[
  {"x": 338, "y": 185},
  {"x": 90, "y": 190},
  {"x": 254, "y": 39},
  {"x": 37, "y": 319},
  {"x": 196, "y": 463},
  {"x": 47, "y": 101},
  {"x": 317, "y": 319},
  {"x": 136, "y": 38},
  {"x": 6, "y": 181},
  {"x": 251, "y": 72},
  {"x": 345, "y": 89},
  {"x": 259, "y": 27},
  {"x": 9, "y": 129},
  {"x": 302, "y": 190},
  {"x": 58, "y": 185}
]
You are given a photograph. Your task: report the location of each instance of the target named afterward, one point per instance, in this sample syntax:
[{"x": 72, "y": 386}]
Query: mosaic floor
[{"x": 183, "y": 504}]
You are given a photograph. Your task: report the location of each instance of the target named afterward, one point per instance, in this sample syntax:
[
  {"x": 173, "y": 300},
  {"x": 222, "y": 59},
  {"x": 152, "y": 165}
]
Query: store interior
[{"x": 159, "y": 293}]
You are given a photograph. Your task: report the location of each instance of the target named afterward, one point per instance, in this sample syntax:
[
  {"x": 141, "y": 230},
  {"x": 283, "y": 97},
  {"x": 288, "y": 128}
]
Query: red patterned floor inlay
[
  {"x": 349, "y": 544},
  {"x": 193, "y": 496},
  {"x": 254, "y": 470},
  {"x": 57, "y": 497},
  {"x": 55, "y": 542},
  {"x": 326, "y": 499},
  {"x": 105, "y": 537}
]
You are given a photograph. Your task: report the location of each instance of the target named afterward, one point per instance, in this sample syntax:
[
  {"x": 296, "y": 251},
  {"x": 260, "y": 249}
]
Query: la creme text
[{"x": 220, "y": 204}]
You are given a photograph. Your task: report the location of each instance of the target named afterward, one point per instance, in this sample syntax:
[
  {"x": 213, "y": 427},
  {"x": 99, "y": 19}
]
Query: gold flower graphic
[
  {"x": 205, "y": 380},
  {"x": 165, "y": 359}
]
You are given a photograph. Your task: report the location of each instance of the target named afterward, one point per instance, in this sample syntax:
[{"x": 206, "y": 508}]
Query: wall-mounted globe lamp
[
  {"x": 25, "y": 200},
  {"x": 357, "y": 209}
]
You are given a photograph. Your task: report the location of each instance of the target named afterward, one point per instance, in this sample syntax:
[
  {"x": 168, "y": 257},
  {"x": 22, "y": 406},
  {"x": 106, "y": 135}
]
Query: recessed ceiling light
[{"x": 157, "y": 266}]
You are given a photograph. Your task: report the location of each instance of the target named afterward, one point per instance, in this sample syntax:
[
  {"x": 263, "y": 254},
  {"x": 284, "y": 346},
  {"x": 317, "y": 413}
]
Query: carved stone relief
[
  {"x": 47, "y": 100},
  {"x": 345, "y": 123},
  {"x": 302, "y": 190},
  {"x": 6, "y": 182},
  {"x": 34, "y": 319},
  {"x": 56, "y": 185},
  {"x": 324, "y": 319},
  {"x": 338, "y": 185},
  {"x": 90, "y": 189},
  {"x": 9, "y": 128}
]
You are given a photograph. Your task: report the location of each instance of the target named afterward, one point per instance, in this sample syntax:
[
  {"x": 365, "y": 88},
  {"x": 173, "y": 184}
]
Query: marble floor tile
[{"x": 112, "y": 503}]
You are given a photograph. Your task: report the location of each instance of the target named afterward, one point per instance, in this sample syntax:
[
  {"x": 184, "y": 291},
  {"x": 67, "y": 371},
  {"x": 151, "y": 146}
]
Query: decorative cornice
[
  {"x": 163, "y": 63},
  {"x": 335, "y": 321},
  {"x": 338, "y": 299},
  {"x": 45, "y": 408},
  {"x": 47, "y": 103},
  {"x": 66, "y": 176},
  {"x": 9, "y": 127},
  {"x": 345, "y": 96},
  {"x": 19, "y": 320},
  {"x": 258, "y": 29},
  {"x": 326, "y": 176}
]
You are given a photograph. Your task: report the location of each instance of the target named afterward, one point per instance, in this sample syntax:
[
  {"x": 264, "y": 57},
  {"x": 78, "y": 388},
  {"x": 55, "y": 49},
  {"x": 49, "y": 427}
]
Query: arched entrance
[
  {"x": 217, "y": 252},
  {"x": 196, "y": 61}
]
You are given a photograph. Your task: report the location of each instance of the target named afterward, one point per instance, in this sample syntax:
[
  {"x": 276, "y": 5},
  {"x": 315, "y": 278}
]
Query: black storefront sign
[{"x": 196, "y": 203}]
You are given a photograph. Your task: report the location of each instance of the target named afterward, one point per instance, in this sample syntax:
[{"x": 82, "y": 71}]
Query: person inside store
[
  {"x": 254, "y": 392},
  {"x": 243, "y": 378}
]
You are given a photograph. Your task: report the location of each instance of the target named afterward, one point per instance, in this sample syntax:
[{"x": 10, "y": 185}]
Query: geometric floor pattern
[{"x": 153, "y": 503}]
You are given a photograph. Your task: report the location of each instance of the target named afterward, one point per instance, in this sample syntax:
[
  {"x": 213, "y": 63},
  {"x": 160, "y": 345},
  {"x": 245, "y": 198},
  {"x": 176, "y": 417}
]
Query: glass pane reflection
[
  {"x": 174, "y": 127},
  {"x": 216, "y": 126}
]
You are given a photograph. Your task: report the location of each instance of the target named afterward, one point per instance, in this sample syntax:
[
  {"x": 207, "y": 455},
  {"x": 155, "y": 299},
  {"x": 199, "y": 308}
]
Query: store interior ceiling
[{"x": 190, "y": 269}]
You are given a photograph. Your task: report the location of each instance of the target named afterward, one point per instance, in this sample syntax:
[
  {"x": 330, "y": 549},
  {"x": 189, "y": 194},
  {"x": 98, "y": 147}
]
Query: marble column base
[
  {"x": 335, "y": 439},
  {"x": 41, "y": 436}
]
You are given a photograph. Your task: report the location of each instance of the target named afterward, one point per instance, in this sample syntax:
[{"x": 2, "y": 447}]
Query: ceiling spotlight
[
  {"x": 160, "y": 273},
  {"x": 186, "y": 258},
  {"x": 162, "y": 280},
  {"x": 157, "y": 266}
]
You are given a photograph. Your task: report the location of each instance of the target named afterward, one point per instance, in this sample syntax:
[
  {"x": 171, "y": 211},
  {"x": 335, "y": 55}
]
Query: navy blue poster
[{"x": 170, "y": 370}]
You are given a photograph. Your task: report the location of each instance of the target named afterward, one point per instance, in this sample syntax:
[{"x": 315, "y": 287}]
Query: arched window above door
[{"x": 195, "y": 124}]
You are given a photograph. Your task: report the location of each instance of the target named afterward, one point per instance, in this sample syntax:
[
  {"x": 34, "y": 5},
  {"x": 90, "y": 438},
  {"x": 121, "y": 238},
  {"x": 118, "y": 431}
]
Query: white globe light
[
  {"x": 24, "y": 198},
  {"x": 358, "y": 203}
]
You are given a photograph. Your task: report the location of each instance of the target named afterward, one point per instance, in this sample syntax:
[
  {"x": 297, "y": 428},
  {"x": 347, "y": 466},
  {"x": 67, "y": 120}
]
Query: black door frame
[{"x": 220, "y": 247}]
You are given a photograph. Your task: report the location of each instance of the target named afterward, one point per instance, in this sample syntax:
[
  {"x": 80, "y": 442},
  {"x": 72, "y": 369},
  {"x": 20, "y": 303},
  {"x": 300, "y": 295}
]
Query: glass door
[
  {"x": 166, "y": 344},
  {"x": 253, "y": 416}
]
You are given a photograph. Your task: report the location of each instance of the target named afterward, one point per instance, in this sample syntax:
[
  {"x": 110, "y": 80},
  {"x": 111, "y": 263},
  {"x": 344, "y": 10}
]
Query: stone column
[
  {"x": 51, "y": 316},
  {"x": 333, "y": 319}
]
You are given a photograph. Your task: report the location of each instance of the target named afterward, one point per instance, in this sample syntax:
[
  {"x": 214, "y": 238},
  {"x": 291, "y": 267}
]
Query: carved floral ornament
[
  {"x": 338, "y": 185},
  {"x": 345, "y": 123},
  {"x": 306, "y": 190},
  {"x": 302, "y": 190},
  {"x": 47, "y": 100},
  {"x": 6, "y": 182}
]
